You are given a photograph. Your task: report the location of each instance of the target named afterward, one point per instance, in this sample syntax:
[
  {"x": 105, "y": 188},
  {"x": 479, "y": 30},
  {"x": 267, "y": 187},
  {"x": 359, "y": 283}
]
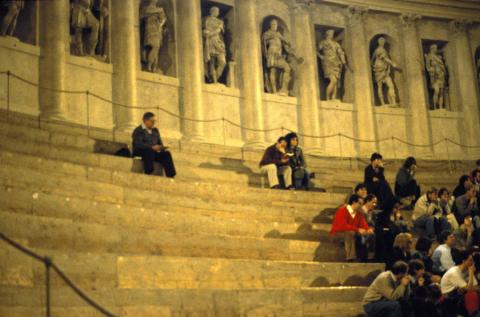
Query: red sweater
[{"x": 343, "y": 221}]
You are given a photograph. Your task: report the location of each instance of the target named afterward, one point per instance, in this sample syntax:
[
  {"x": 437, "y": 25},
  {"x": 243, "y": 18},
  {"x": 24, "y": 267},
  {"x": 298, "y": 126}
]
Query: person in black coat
[
  {"x": 148, "y": 144},
  {"x": 375, "y": 180},
  {"x": 405, "y": 183},
  {"x": 460, "y": 189}
]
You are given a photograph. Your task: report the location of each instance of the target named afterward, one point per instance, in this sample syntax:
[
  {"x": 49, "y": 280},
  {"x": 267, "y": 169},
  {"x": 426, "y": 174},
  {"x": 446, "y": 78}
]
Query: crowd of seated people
[{"x": 437, "y": 275}]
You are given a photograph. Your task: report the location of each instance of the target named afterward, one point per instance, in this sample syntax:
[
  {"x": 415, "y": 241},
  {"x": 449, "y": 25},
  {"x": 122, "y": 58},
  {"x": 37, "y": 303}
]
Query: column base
[
  {"x": 53, "y": 116},
  {"x": 255, "y": 145},
  {"x": 126, "y": 127},
  {"x": 193, "y": 138},
  {"x": 314, "y": 150}
]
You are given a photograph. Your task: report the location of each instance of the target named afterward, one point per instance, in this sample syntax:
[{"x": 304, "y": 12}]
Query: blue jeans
[
  {"x": 302, "y": 182},
  {"x": 426, "y": 225},
  {"x": 383, "y": 308}
]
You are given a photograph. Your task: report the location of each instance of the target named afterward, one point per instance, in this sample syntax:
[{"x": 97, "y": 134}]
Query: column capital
[
  {"x": 355, "y": 14},
  {"x": 459, "y": 26},
  {"x": 302, "y": 6},
  {"x": 409, "y": 20}
]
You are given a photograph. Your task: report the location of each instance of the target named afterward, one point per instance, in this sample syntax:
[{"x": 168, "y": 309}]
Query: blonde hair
[{"x": 403, "y": 241}]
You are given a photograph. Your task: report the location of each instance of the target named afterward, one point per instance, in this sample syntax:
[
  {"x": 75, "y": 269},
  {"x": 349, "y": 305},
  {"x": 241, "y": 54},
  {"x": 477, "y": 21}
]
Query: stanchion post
[
  {"x": 8, "y": 96},
  {"x": 47, "y": 286},
  {"x": 224, "y": 133},
  {"x": 87, "y": 93},
  {"x": 448, "y": 156},
  {"x": 393, "y": 148}
]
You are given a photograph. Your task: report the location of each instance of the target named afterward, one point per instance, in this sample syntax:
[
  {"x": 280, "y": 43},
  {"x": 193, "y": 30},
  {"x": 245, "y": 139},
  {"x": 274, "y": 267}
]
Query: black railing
[{"x": 49, "y": 266}]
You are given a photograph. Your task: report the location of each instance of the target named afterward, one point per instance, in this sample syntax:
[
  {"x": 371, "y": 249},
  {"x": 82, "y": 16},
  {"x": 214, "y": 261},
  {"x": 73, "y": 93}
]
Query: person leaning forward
[
  {"x": 274, "y": 162},
  {"x": 148, "y": 144}
]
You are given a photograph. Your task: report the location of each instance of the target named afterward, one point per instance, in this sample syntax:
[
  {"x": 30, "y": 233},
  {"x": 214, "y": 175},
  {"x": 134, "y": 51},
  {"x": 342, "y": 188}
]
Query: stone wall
[{"x": 181, "y": 85}]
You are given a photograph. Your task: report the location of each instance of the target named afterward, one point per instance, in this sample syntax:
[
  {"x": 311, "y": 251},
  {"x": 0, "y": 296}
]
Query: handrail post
[
  {"x": 48, "y": 264},
  {"x": 8, "y": 96}
]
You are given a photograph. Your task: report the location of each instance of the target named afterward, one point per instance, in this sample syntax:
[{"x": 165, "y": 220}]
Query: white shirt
[
  {"x": 455, "y": 279},
  {"x": 351, "y": 211},
  {"x": 442, "y": 257},
  {"x": 145, "y": 128}
]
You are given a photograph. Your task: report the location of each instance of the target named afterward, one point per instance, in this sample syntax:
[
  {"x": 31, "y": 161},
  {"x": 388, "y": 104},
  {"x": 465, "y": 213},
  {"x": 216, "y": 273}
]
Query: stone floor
[{"x": 212, "y": 242}]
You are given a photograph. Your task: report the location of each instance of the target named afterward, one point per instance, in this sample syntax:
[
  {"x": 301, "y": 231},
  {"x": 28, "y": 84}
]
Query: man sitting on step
[
  {"x": 275, "y": 161},
  {"x": 148, "y": 144}
]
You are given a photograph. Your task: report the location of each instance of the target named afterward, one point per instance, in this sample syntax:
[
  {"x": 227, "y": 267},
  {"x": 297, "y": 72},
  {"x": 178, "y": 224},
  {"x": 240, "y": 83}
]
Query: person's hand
[
  {"x": 405, "y": 280},
  {"x": 157, "y": 148},
  {"x": 370, "y": 231},
  {"x": 421, "y": 281},
  {"x": 376, "y": 179},
  {"x": 471, "y": 270},
  {"x": 362, "y": 231}
]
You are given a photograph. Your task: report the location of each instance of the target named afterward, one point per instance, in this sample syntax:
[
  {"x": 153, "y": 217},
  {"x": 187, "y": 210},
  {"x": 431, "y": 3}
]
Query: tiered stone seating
[{"x": 208, "y": 243}]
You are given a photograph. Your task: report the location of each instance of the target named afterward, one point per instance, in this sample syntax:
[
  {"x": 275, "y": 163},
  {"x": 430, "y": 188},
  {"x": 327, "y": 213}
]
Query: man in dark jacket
[
  {"x": 275, "y": 161},
  {"x": 375, "y": 181},
  {"x": 148, "y": 144}
]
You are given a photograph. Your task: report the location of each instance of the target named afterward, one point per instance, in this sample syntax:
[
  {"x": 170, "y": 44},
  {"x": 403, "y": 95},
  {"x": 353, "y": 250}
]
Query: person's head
[
  {"x": 433, "y": 48},
  {"x": 399, "y": 269},
  {"x": 476, "y": 175},
  {"x": 416, "y": 268},
  {"x": 361, "y": 190},
  {"x": 370, "y": 202},
  {"x": 381, "y": 41},
  {"x": 274, "y": 24},
  {"x": 447, "y": 237},
  {"x": 444, "y": 194},
  {"x": 432, "y": 194},
  {"x": 149, "y": 119},
  {"x": 397, "y": 211},
  {"x": 478, "y": 164},
  {"x": 423, "y": 245},
  {"x": 214, "y": 11},
  {"x": 281, "y": 143},
  {"x": 467, "y": 221},
  {"x": 463, "y": 258},
  {"x": 355, "y": 201},
  {"x": 410, "y": 163},
  {"x": 376, "y": 159},
  {"x": 470, "y": 191},
  {"x": 463, "y": 181},
  {"x": 292, "y": 139},
  {"x": 403, "y": 241},
  {"x": 329, "y": 34}
]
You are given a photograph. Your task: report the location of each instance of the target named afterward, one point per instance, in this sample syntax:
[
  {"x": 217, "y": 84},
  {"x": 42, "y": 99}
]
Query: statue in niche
[
  {"x": 154, "y": 21},
  {"x": 437, "y": 72},
  {"x": 278, "y": 54},
  {"x": 9, "y": 21},
  {"x": 214, "y": 45},
  {"x": 382, "y": 66},
  {"x": 84, "y": 21},
  {"x": 332, "y": 58}
]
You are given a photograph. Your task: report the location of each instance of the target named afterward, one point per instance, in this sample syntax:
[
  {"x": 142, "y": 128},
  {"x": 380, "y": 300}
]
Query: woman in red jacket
[{"x": 350, "y": 221}]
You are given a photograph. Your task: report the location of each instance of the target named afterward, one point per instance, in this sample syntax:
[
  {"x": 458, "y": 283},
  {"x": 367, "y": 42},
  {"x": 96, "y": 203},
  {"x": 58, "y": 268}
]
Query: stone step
[
  {"x": 302, "y": 302},
  {"x": 223, "y": 169},
  {"x": 97, "y": 171},
  {"x": 57, "y": 183},
  {"x": 92, "y": 271},
  {"x": 184, "y": 220},
  {"x": 65, "y": 235}
]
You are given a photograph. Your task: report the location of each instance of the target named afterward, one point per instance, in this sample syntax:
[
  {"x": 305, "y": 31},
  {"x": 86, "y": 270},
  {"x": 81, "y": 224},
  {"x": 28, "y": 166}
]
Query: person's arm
[
  {"x": 402, "y": 177},
  {"x": 138, "y": 141},
  {"x": 471, "y": 285},
  {"x": 159, "y": 139},
  {"x": 390, "y": 293},
  {"x": 368, "y": 175},
  {"x": 302, "y": 159},
  {"x": 436, "y": 261}
]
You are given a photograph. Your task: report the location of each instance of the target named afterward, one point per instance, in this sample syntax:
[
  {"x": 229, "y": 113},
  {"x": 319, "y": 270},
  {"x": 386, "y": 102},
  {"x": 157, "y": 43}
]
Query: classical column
[
  {"x": 124, "y": 60},
  {"x": 418, "y": 129},
  {"x": 308, "y": 94},
  {"x": 190, "y": 67},
  {"x": 54, "y": 41},
  {"x": 250, "y": 70},
  {"x": 466, "y": 72},
  {"x": 360, "y": 61}
]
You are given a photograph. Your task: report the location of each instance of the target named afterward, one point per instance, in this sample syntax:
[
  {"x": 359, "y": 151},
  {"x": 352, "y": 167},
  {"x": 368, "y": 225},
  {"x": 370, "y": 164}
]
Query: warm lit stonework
[{"x": 225, "y": 78}]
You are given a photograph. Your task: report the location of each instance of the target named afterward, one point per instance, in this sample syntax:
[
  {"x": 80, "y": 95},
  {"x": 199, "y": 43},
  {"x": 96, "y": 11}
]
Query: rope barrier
[
  {"x": 50, "y": 265},
  {"x": 223, "y": 120}
]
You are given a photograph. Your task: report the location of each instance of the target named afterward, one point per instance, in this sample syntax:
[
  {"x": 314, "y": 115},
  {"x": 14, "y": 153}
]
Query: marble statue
[
  {"x": 277, "y": 52},
  {"x": 101, "y": 8},
  {"x": 382, "y": 66},
  {"x": 9, "y": 21},
  {"x": 332, "y": 58},
  {"x": 154, "y": 21},
  {"x": 214, "y": 50},
  {"x": 437, "y": 72},
  {"x": 83, "y": 19}
]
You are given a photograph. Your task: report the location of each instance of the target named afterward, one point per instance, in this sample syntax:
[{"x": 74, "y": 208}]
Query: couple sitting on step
[
  {"x": 148, "y": 144},
  {"x": 285, "y": 158}
]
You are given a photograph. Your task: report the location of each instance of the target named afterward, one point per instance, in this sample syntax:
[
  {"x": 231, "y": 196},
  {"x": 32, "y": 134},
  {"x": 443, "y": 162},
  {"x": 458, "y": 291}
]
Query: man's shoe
[{"x": 275, "y": 187}]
